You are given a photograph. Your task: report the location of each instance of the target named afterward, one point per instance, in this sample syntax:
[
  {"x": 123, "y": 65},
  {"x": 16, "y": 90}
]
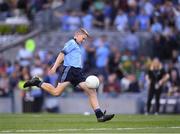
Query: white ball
[{"x": 92, "y": 82}]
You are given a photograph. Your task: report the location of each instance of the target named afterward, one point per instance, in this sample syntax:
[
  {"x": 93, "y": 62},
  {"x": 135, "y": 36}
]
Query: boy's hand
[{"x": 52, "y": 71}]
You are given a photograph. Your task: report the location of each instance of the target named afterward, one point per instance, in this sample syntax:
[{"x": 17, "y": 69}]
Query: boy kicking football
[{"x": 71, "y": 57}]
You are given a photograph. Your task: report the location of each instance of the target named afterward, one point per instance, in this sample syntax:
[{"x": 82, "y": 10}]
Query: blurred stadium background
[{"x": 126, "y": 35}]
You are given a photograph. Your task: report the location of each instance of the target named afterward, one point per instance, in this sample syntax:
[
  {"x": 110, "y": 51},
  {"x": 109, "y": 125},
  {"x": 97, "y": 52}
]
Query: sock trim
[{"x": 39, "y": 85}]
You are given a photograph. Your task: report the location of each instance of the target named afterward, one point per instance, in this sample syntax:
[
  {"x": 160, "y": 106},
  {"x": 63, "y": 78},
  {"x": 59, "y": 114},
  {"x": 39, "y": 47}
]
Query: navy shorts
[{"x": 72, "y": 74}]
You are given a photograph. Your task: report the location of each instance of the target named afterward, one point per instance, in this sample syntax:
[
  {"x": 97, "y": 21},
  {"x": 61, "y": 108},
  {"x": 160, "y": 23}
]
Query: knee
[
  {"x": 91, "y": 92},
  {"x": 56, "y": 93}
]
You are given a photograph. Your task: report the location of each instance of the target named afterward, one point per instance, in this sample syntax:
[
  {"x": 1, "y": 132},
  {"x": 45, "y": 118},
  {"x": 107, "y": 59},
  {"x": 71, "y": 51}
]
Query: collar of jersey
[{"x": 76, "y": 41}]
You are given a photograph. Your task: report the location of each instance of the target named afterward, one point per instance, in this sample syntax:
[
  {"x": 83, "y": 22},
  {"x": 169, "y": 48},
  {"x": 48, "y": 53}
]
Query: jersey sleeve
[{"x": 68, "y": 48}]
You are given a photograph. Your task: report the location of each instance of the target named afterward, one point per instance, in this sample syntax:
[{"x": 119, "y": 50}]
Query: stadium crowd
[
  {"x": 157, "y": 16},
  {"x": 119, "y": 69}
]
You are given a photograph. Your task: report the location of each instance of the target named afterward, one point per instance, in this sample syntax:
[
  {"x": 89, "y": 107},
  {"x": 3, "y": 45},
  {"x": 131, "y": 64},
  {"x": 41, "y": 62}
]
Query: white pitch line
[{"x": 86, "y": 129}]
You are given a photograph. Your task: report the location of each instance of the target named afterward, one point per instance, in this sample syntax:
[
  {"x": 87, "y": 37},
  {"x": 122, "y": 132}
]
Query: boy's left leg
[{"x": 92, "y": 94}]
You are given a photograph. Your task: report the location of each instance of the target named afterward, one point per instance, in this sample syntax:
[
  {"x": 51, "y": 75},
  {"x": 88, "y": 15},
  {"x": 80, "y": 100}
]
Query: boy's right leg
[
  {"x": 46, "y": 86},
  {"x": 54, "y": 90}
]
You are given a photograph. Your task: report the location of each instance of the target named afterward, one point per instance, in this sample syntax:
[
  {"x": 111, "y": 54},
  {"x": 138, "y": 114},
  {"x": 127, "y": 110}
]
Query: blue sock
[
  {"x": 98, "y": 113},
  {"x": 39, "y": 85}
]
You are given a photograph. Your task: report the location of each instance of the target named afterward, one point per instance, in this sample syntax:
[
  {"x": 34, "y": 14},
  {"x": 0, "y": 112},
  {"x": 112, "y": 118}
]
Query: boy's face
[{"x": 81, "y": 37}]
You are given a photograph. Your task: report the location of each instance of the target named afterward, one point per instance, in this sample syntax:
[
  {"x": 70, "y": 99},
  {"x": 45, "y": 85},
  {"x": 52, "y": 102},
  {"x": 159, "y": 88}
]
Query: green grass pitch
[{"x": 68, "y": 123}]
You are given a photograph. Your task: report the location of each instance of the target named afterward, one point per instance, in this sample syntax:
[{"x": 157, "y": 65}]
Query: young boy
[{"x": 72, "y": 74}]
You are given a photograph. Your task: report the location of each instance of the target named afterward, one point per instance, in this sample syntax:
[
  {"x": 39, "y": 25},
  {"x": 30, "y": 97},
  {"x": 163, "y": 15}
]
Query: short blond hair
[
  {"x": 155, "y": 62},
  {"x": 82, "y": 31}
]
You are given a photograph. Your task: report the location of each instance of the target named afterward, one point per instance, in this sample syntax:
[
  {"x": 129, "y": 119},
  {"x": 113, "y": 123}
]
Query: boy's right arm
[
  {"x": 68, "y": 47},
  {"x": 57, "y": 63}
]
